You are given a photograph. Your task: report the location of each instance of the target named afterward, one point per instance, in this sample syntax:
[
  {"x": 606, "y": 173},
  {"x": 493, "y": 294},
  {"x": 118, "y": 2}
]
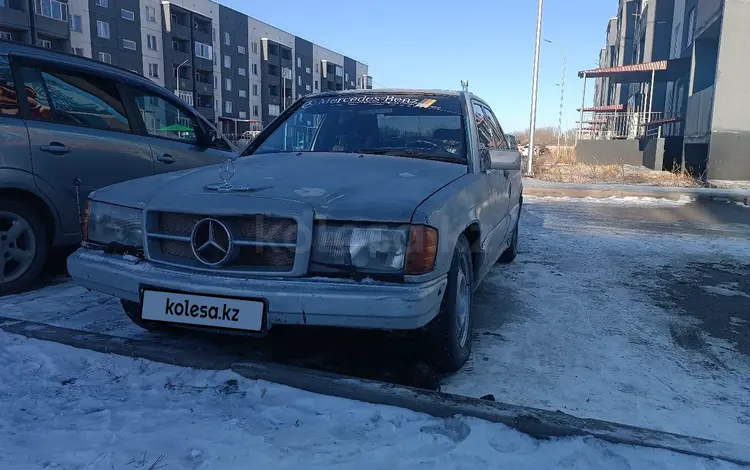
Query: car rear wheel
[
  {"x": 449, "y": 334},
  {"x": 23, "y": 246}
]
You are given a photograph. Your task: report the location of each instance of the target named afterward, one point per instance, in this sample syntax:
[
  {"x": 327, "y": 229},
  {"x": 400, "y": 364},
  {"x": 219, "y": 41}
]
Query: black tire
[
  {"x": 133, "y": 311},
  {"x": 511, "y": 252},
  {"x": 29, "y": 275},
  {"x": 449, "y": 343}
]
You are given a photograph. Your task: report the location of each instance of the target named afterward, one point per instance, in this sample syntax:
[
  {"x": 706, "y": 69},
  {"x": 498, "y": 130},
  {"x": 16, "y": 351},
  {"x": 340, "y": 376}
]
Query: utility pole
[
  {"x": 178, "y": 77},
  {"x": 562, "y": 91},
  {"x": 535, "y": 85}
]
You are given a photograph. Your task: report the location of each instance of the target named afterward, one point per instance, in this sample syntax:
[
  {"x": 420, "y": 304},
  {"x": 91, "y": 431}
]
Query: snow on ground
[
  {"x": 63, "y": 408},
  {"x": 613, "y": 200},
  {"x": 576, "y": 324}
]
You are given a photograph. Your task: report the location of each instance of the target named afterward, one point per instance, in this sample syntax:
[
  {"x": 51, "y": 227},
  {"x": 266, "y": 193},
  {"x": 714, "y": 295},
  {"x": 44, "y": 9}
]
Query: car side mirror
[{"x": 505, "y": 160}]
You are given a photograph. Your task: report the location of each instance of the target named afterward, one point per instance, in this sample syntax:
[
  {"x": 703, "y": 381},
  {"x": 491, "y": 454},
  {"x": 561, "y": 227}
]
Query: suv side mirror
[{"x": 505, "y": 160}]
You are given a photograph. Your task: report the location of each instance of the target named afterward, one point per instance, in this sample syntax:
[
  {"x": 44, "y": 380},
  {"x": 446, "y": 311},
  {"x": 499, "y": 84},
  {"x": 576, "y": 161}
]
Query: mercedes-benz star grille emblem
[{"x": 211, "y": 242}]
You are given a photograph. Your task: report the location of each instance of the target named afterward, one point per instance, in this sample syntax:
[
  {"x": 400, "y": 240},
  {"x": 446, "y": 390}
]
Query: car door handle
[
  {"x": 54, "y": 147},
  {"x": 166, "y": 158}
]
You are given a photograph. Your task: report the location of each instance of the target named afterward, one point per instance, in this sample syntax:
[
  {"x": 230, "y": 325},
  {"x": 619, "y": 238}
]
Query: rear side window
[
  {"x": 8, "y": 98},
  {"x": 77, "y": 99},
  {"x": 163, "y": 118}
]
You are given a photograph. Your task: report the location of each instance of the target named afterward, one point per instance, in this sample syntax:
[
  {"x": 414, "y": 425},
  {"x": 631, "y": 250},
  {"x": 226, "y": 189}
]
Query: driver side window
[{"x": 165, "y": 119}]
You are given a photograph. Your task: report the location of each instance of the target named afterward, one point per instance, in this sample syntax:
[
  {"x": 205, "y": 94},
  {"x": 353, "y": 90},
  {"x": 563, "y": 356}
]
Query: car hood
[{"x": 337, "y": 186}]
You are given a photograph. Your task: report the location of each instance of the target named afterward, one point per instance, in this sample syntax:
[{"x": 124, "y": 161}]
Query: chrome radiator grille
[{"x": 251, "y": 243}]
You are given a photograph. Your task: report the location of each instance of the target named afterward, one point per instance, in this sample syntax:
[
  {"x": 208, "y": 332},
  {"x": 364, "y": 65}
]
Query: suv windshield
[{"x": 418, "y": 126}]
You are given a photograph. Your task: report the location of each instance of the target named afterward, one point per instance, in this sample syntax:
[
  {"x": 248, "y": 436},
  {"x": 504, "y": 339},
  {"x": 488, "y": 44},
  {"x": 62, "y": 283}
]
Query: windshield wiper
[{"x": 408, "y": 152}]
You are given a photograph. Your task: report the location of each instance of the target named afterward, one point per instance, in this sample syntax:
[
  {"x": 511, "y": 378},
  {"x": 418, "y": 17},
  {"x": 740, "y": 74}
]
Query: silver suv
[{"x": 70, "y": 125}]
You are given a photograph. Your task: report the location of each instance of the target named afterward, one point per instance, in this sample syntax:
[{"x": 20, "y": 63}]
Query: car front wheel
[
  {"x": 449, "y": 334},
  {"x": 23, "y": 246}
]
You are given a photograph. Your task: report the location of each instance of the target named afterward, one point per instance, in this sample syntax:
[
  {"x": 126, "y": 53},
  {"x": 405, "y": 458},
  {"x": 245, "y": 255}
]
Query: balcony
[
  {"x": 707, "y": 11},
  {"x": 698, "y": 116},
  {"x": 15, "y": 18},
  {"x": 185, "y": 84},
  {"x": 202, "y": 30},
  {"x": 179, "y": 26},
  {"x": 204, "y": 87},
  {"x": 207, "y": 112}
]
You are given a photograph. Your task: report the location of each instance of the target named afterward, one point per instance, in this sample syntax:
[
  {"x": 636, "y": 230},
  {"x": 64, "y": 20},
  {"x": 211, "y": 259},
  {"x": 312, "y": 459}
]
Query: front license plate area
[{"x": 203, "y": 310}]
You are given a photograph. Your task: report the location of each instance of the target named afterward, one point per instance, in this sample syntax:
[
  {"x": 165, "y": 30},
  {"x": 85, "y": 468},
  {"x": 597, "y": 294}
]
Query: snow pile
[{"x": 64, "y": 408}]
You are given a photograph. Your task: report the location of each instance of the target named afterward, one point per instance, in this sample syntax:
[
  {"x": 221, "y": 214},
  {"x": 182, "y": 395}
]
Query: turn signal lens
[{"x": 420, "y": 257}]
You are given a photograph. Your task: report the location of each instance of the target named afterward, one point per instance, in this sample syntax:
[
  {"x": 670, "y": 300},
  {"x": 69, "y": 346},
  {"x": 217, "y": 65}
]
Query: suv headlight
[
  {"x": 108, "y": 224},
  {"x": 374, "y": 249}
]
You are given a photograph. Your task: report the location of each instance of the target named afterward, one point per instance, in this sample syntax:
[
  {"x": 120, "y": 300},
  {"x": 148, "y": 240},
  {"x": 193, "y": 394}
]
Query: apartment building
[
  {"x": 685, "y": 88},
  {"x": 239, "y": 72}
]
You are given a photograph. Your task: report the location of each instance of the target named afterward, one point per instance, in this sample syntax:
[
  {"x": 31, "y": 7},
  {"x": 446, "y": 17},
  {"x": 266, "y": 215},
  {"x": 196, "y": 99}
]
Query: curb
[
  {"x": 540, "y": 424},
  {"x": 711, "y": 196}
]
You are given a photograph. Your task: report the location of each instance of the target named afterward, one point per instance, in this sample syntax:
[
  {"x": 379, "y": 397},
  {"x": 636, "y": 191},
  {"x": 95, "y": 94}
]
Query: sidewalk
[{"x": 533, "y": 187}]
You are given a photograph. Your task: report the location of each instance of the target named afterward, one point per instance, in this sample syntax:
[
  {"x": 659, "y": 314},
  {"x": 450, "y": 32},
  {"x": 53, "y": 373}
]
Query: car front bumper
[{"x": 297, "y": 301}]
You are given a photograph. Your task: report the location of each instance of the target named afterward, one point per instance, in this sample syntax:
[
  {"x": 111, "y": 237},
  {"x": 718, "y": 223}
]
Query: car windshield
[{"x": 407, "y": 125}]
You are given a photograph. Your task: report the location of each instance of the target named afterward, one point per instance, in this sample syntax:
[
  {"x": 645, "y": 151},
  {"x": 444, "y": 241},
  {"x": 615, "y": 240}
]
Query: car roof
[{"x": 42, "y": 53}]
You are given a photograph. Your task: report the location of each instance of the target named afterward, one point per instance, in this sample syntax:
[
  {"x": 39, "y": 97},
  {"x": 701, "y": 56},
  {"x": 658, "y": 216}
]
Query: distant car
[
  {"x": 70, "y": 125},
  {"x": 364, "y": 209}
]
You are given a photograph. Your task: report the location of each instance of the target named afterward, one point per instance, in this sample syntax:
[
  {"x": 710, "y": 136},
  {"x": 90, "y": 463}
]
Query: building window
[
  {"x": 52, "y": 9},
  {"x": 243, "y": 93},
  {"x": 151, "y": 14},
  {"x": 317, "y": 68},
  {"x": 255, "y": 90},
  {"x": 45, "y": 43},
  {"x": 690, "y": 28},
  {"x": 274, "y": 110},
  {"x": 243, "y": 115},
  {"x": 78, "y": 51},
  {"x": 228, "y": 84},
  {"x": 153, "y": 70},
  {"x": 76, "y": 23},
  {"x": 299, "y": 62},
  {"x": 227, "y": 39},
  {"x": 216, "y": 82},
  {"x": 128, "y": 44},
  {"x": 339, "y": 71},
  {"x": 102, "y": 3},
  {"x": 203, "y": 51},
  {"x": 254, "y": 68},
  {"x": 127, "y": 15},
  {"x": 255, "y": 47},
  {"x": 359, "y": 82},
  {"x": 227, "y": 106},
  {"x": 307, "y": 70},
  {"x": 102, "y": 29},
  {"x": 6, "y": 35},
  {"x": 241, "y": 49},
  {"x": 299, "y": 95},
  {"x": 242, "y": 72},
  {"x": 255, "y": 110},
  {"x": 316, "y": 85},
  {"x": 105, "y": 57},
  {"x": 307, "y": 87},
  {"x": 151, "y": 42},
  {"x": 227, "y": 62},
  {"x": 346, "y": 77}
]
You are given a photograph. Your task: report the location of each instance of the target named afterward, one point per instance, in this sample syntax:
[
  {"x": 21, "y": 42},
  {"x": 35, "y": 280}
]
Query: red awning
[
  {"x": 610, "y": 108},
  {"x": 664, "y": 71}
]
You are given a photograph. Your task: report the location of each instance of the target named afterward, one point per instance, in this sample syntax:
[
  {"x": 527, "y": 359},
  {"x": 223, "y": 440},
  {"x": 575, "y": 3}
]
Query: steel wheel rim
[
  {"x": 17, "y": 246},
  {"x": 463, "y": 306}
]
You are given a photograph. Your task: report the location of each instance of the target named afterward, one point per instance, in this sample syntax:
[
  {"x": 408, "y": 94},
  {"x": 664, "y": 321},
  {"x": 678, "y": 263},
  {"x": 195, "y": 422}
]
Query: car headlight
[
  {"x": 374, "y": 249},
  {"x": 108, "y": 224}
]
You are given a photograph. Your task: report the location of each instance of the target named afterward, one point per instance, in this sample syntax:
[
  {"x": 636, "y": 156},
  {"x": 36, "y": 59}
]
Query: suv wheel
[
  {"x": 449, "y": 334},
  {"x": 23, "y": 246}
]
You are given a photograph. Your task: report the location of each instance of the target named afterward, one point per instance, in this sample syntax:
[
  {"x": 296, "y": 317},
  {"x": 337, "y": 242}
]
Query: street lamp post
[
  {"x": 535, "y": 85},
  {"x": 562, "y": 91},
  {"x": 178, "y": 76}
]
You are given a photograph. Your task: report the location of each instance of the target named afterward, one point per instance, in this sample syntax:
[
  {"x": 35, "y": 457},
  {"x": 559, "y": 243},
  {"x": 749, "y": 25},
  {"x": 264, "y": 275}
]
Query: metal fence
[{"x": 614, "y": 125}]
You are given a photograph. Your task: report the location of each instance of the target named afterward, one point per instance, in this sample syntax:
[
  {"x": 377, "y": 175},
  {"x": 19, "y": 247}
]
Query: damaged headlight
[
  {"x": 112, "y": 225},
  {"x": 374, "y": 249}
]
